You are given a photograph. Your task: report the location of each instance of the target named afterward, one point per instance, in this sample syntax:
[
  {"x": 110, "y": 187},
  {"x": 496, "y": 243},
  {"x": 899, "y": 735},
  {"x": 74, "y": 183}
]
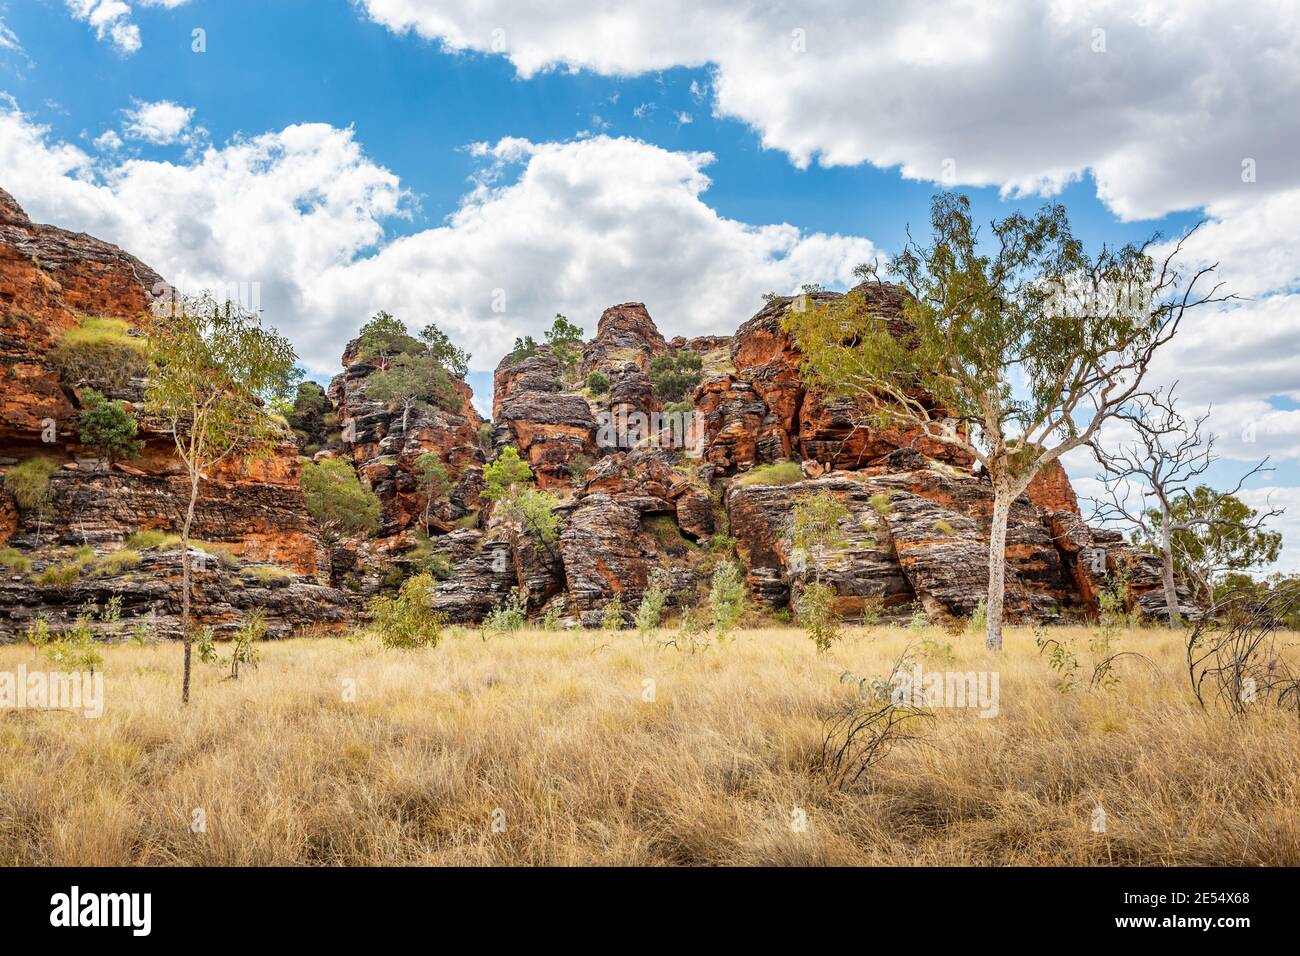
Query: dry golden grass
[{"x": 552, "y": 729}]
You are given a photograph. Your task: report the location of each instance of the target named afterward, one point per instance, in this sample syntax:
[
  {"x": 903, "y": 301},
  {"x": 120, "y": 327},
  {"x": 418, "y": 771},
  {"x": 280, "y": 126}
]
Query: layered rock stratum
[{"x": 637, "y": 503}]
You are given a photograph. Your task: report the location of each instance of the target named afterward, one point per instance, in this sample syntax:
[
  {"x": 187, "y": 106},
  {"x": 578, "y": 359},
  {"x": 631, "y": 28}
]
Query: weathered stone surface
[
  {"x": 150, "y": 595},
  {"x": 384, "y": 447},
  {"x": 483, "y": 574},
  {"x": 866, "y": 572},
  {"x": 603, "y": 556},
  {"x": 531, "y": 410}
]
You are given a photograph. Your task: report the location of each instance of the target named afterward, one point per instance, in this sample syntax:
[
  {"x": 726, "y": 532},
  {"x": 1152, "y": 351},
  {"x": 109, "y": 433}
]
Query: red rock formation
[{"x": 49, "y": 279}]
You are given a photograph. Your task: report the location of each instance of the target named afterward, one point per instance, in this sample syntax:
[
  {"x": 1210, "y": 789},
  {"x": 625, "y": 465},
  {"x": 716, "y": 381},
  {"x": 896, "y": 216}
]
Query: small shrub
[
  {"x": 611, "y": 619},
  {"x": 408, "y": 619},
  {"x": 150, "y": 538},
  {"x": 111, "y": 565},
  {"x": 818, "y": 615},
  {"x": 651, "y": 609},
  {"x": 551, "y": 619},
  {"x": 674, "y": 374},
  {"x": 267, "y": 573},
  {"x": 509, "y": 616},
  {"x": 780, "y": 473},
  {"x": 107, "y": 428},
  {"x": 726, "y": 597},
  {"x": 13, "y": 560},
  {"x": 919, "y": 620},
  {"x": 337, "y": 499},
  {"x": 597, "y": 383},
  {"x": 880, "y": 503},
  {"x": 943, "y": 527},
  {"x": 979, "y": 618}
]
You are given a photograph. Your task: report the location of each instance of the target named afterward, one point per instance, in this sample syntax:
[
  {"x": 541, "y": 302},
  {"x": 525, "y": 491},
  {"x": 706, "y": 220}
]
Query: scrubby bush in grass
[
  {"x": 814, "y": 530},
  {"x": 102, "y": 351},
  {"x": 597, "y": 383},
  {"x": 509, "y": 616},
  {"x": 551, "y": 619},
  {"x": 778, "y": 473},
  {"x": 817, "y": 614},
  {"x": 611, "y": 619},
  {"x": 407, "y": 619},
  {"x": 978, "y": 619},
  {"x": 149, "y": 538},
  {"x": 338, "y": 500},
  {"x": 651, "y": 609},
  {"x": 726, "y": 597},
  {"x": 111, "y": 565}
]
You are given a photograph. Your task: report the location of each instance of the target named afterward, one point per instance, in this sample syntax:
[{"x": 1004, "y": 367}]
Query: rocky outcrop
[
  {"x": 50, "y": 281},
  {"x": 384, "y": 443},
  {"x": 552, "y": 428},
  {"x": 148, "y": 590}
]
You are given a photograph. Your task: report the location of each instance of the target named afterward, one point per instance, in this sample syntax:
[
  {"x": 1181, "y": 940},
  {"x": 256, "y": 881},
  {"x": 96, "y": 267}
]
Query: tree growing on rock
[
  {"x": 213, "y": 369},
  {"x": 674, "y": 374},
  {"x": 564, "y": 338},
  {"x": 338, "y": 500},
  {"x": 412, "y": 383},
  {"x": 508, "y": 484},
  {"x": 442, "y": 350},
  {"x": 1156, "y": 474},
  {"x": 108, "y": 429},
  {"x": 1015, "y": 349}
]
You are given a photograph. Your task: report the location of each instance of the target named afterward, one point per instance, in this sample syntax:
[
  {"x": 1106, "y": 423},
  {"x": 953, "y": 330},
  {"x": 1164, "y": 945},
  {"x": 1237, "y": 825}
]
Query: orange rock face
[{"x": 49, "y": 279}]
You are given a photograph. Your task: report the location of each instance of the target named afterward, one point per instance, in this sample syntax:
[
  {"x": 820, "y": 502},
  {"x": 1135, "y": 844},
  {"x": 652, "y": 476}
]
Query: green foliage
[
  {"x": 819, "y": 614},
  {"x": 13, "y": 560},
  {"x": 440, "y": 348},
  {"x": 509, "y": 616},
  {"x": 815, "y": 523},
  {"x": 267, "y": 573},
  {"x": 107, "y": 428},
  {"x": 102, "y": 351},
  {"x": 726, "y": 597},
  {"x": 29, "y": 483},
  {"x": 919, "y": 620},
  {"x": 431, "y": 475},
  {"x": 535, "y": 511},
  {"x": 307, "y": 415},
  {"x": 551, "y": 619},
  {"x": 149, "y": 538},
  {"x": 525, "y": 347},
  {"x": 881, "y": 504},
  {"x": 651, "y": 609},
  {"x": 502, "y": 475},
  {"x": 337, "y": 499},
  {"x": 979, "y": 618},
  {"x": 75, "y": 649},
  {"x": 384, "y": 338},
  {"x": 943, "y": 527},
  {"x": 1214, "y": 534},
  {"x": 564, "y": 338},
  {"x": 597, "y": 383},
  {"x": 214, "y": 369},
  {"x": 611, "y": 618},
  {"x": 779, "y": 473},
  {"x": 412, "y": 383},
  {"x": 243, "y": 645},
  {"x": 114, "y": 564},
  {"x": 484, "y": 436},
  {"x": 675, "y": 374},
  {"x": 424, "y": 557},
  {"x": 408, "y": 620}
]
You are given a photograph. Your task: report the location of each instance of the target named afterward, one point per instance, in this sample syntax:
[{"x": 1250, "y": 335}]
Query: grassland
[{"x": 342, "y": 752}]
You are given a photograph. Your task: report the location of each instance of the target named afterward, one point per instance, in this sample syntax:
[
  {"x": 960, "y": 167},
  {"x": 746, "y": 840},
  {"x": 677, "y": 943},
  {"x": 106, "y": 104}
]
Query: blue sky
[{"x": 591, "y": 144}]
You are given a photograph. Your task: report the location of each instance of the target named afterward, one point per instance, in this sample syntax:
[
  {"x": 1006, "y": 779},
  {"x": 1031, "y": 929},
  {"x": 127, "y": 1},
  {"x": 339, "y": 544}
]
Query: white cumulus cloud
[{"x": 159, "y": 123}]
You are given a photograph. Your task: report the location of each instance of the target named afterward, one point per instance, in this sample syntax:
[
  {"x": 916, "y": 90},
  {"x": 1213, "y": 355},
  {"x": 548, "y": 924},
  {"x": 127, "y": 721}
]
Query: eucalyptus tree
[{"x": 1014, "y": 349}]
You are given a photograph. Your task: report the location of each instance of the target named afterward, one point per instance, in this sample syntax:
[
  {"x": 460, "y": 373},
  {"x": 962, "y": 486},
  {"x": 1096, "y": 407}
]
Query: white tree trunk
[
  {"x": 1167, "y": 566},
  {"x": 997, "y": 567},
  {"x": 185, "y": 586}
]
